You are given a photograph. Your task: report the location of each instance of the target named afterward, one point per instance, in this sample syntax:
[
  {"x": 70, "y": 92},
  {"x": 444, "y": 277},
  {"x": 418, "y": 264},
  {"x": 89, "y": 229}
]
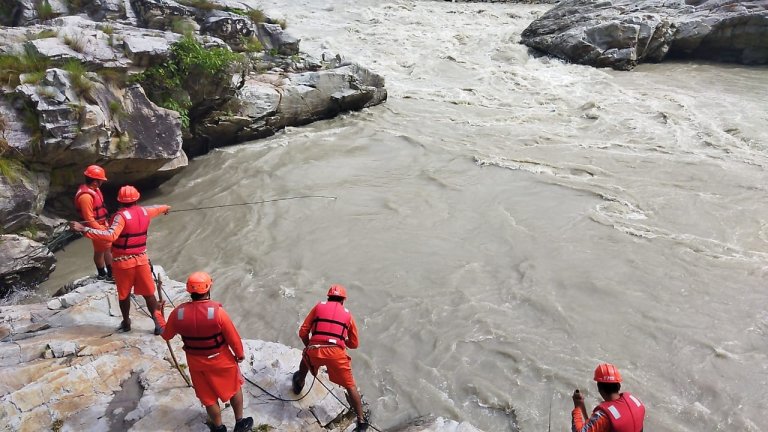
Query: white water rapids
[{"x": 503, "y": 224}]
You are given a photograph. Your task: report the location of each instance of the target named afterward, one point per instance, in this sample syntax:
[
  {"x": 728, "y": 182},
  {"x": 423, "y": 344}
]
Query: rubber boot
[{"x": 221, "y": 428}]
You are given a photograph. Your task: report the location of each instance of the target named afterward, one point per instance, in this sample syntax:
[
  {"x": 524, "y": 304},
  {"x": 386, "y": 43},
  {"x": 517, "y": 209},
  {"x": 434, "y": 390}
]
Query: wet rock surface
[{"x": 623, "y": 33}]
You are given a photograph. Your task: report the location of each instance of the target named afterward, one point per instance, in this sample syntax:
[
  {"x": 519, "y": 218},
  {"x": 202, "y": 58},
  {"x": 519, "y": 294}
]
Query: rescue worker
[
  {"x": 89, "y": 203},
  {"x": 128, "y": 235},
  {"x": 326, "y": 332},
  {"x": 213, "y": 349},
  {"x": 619, "y": 412}
]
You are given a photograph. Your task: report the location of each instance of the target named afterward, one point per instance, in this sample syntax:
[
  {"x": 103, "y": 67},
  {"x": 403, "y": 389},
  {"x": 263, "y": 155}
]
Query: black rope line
[
  {"x": 278, "y": 397},
  {"x": 254, "y": 202}
]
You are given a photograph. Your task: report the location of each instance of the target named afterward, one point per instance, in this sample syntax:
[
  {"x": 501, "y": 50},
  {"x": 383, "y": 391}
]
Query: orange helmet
[
  {"x": 607, "y": 373},
  {"x": 95, "y": 172},
  {"x": 128, "y": 194},
  {"x": 199, "y": 282},
  {"x": 337, "y": 291}
]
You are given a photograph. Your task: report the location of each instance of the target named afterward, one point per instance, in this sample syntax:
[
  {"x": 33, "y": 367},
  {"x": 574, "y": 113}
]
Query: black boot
[
  {"x": 244, "y": 424},
  {"x": 362, "y": 426},
  {"x": 220, "y": 428},
  {"x": 101, "y": 273},
  {"x": 298, "y": 383}
]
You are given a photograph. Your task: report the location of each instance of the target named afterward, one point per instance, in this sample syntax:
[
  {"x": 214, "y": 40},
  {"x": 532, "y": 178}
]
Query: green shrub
[
  {"x": 116, "y": 108},
  {"x": 282, "y": 23},
  {"x": 44, "y": 10},
  {"x": 165, "y": 83},
  {"x": 33, "y": 77},
  {"x": 13, "y": 65},
  {"x": 43, "y": 34},
  {"x": 107, "y": 29},
  {"x": 77, "y": 76},
  {"x": 9, "y": 168},
  {"x": 77, "y": 43},
  {"x": 252, "y": 44}
]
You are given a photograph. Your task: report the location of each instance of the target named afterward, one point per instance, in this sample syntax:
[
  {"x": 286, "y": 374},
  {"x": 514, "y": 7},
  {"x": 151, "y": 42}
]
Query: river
[{"x": 504, "y": 222}]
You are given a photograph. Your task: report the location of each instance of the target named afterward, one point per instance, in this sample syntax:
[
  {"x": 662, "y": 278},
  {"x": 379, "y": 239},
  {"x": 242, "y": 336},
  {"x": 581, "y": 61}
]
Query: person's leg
[
  {"x": 98, "y": 260},
  {"x": 125, "y": 310},
  {"x": 353, "y": 397},
  {"x": 214, "y": 414},
  {"x": 237, "y": 404},
  {"x": 299, "y": 376}
]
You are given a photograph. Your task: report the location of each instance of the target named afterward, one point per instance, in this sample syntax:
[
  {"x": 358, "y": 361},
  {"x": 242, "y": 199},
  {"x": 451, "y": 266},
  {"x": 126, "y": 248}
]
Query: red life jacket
[
  {"x": 133, "y": 239},
  {"x": 99, "y": 211},
  {"x": 197, "y": 323},
  {"x": 330, "y": 324},
  {"x": 625, "y": 414}
]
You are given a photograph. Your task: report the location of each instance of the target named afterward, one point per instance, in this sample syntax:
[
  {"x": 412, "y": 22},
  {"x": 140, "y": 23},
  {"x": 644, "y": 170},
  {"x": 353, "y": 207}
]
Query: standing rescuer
[
  {"x": 128, "y": 235},
  {"x": 89, "y": 202},
  {"x": 326, "y": 332},
  {"x": 619, "y": 412},
  {"x": 213, "y": 349}
]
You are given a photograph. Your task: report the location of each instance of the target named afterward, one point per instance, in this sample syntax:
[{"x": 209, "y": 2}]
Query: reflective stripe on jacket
[
  {"x": 199, "y": 328},
  {"x": 99, "y": 211},
  {"x": 331, "y": 324},
  {"x": 626, "y": 414},
  {"x": 133, "y": 238}
]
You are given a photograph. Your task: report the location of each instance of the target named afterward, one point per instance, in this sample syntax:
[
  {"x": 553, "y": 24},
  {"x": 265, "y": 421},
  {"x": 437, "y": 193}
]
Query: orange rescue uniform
[
  {"x": 214, "y": 377},
  {"x": 84, "y": 204},
  {"x": 129, "y": 271},
  {"x": 597, "y": 423},
  {"x": 333, "y": 357}
]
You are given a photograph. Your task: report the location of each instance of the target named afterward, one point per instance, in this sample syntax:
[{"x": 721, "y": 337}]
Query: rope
[
  {"x": 278, "y": 397},
  {"x": 254, "y": 202},
  {"x": 159, "y": 284}
]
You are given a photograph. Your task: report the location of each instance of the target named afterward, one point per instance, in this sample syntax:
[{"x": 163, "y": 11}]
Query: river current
[{"x": 504, "y": 222}]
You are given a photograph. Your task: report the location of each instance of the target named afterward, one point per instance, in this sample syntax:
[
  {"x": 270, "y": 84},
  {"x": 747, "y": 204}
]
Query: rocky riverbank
[
  {"x": 64, "y": 367},
  {"x": 139, "y": 86},
  {"x": 623, "y": 33}
]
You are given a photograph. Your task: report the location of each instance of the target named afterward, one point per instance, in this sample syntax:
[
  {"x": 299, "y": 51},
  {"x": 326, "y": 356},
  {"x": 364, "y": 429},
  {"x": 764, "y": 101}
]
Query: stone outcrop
[
  {"x": 622, "y": 33},
  {"x": 23, "y": 262},
  {"x": 273, "y": 101},
  {"x": 64, "y": 367},
  {"x": 76, "y": 99}
]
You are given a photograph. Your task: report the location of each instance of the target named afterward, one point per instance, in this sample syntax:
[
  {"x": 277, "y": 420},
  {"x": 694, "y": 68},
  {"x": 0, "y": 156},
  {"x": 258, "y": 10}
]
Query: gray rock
[
  {"x": 622, "y": 33},
  {"x": 21, "y": 197},
  {"x": 22, "y": 262},
  {"x": 268, "y": 103},
  {"x": 147, "y": 51},
  {"x": 160, "y": 14},
  {"x": 61, "y": 349},
  {"x": 231, "y": 28},
  {"x": 274, "y": 38}
]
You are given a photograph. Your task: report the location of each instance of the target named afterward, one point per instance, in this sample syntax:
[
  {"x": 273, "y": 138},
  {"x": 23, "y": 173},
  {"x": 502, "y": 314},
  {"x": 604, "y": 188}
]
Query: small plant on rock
[
  {"x": 252, "y": 44},
  {"x": 77, "y": 43},
  {"x": 116, "y": 108},
  {"x": 43, "y": 34},
  {"x": 77, "y": 76},
  {"x": 166, "y": 83},
  {"x": 44, "y": 10},
  {"x": 13, "y": 65}
]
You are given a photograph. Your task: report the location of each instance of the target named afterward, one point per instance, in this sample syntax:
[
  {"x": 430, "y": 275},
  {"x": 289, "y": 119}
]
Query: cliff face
[
  {"x": 64, "y": 367},
  {"x": 622, "y": 33},
  {"x": 138, "y": 86}
]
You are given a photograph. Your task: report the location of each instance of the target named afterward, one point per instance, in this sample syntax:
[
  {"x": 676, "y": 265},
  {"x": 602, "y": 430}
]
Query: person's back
[{"x": 619, "y": 412}]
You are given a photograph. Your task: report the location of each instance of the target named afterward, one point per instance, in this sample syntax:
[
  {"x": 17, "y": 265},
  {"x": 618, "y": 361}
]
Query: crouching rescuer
[
  {"x": 213, "y": 348},
  {"x": 327, "y": 332}
]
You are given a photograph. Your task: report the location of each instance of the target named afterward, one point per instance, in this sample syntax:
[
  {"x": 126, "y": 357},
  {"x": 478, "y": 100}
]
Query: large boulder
[
  {"x": 231, "y": 28},
  {"x": 622, "y": 33},
  {"x": 275, "y": 39},
  {"x": 270, "y": 102},
  {"x": 161, "y": 14},
  {"x": 22, "y": 196},
  {"x": 23, "y": 263}
]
